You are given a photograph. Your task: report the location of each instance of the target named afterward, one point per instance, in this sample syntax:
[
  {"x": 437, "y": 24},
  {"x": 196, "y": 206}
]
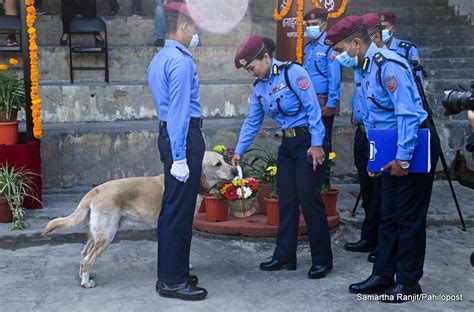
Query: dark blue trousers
[
  {"x": 402, "y": 232},
  {"x": 178, "y": 205},
  {"x": 370, "y": 189},
  {"x": 299, "y": 185}
]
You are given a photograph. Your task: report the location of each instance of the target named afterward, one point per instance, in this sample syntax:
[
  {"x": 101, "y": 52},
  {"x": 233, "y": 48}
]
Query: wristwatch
[{"x": 403, "y": 164}]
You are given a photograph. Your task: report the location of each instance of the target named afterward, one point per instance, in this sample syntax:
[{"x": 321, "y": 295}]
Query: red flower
[
  {"x": 231, "y": 193},
  {"x": 253, "y": 184}
]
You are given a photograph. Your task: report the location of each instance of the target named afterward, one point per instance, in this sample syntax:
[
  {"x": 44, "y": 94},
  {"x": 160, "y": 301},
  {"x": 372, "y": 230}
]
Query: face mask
[
  {"x": 346, "y": 60},
  {"x": 313, "y": 32},
  {"x": 194, "y": 40},
  {"x": 386, "y": 35}
]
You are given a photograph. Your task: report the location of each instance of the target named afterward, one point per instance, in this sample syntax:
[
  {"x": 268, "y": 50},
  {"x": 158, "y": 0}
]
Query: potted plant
[
  {"x": 12, "y": 99},
  {"x": 15, "y": 185},
  {"x": 216, "y": 209},
  {"x": 328, "y": 194},
  {"x": 240, "y": 194},
  {"x": 272, "y": 207},
  {"x": 262, "y": 158}
]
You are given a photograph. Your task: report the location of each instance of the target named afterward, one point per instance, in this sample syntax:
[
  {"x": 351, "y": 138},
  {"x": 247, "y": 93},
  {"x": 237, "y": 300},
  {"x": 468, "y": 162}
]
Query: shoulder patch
[
  {"x": 302, "y": 82},
  {"x": 405, "y": 44},
  {"x": 379, "y": 59},
  {"x": 391, "y": 83},
  {"x": 184, "y": 52}
]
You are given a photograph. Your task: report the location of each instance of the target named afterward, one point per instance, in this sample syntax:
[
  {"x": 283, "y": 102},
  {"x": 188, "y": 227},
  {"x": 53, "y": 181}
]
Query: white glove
[{"x": 180, "y": 170}]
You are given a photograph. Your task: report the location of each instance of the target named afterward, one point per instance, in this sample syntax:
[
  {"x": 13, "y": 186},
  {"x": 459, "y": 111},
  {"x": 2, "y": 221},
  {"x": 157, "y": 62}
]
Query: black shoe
[
  {"x": 183, "y": 291},
  {"x": 275, "y": 265},
  {"x": 319, "y": 271},
  {"x": 193, "y": 280},
  {"x": 373, "y": 285},
  {"x": 398, "y": 291},
  {"x": 62, "y": 41},
  {"x": 371, "y": 257},
  {"x": 360, "y": 246},
  {"x": 159, "y": 42}
]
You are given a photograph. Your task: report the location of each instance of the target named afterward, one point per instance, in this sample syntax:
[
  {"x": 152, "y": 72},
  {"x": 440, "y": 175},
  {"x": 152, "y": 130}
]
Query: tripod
[{"x": 418, "y": 68}]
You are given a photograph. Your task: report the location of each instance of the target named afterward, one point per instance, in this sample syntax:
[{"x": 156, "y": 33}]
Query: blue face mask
[
  {"x": 346, "y": 60},
  {"x": 386, "y": 35},
  {"x": 313, "y": 32}
]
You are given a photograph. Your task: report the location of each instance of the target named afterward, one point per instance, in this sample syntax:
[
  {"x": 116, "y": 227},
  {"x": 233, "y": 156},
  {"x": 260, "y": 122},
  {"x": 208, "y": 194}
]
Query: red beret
[
  {"x": 343, "y": 29},
  {"x": 371, "y": 20},
  {"x": 388, "y": 17},
  {"x": 248, "y": 51},
  {"x": 186, "y": 10},
  {"x": 316, "y": 13}
]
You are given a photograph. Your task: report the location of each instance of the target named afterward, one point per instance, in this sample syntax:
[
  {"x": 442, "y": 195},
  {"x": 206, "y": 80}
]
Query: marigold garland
[
  {"x": 35, "y": 98},
  {"x": 299, "y": 31},
  {"x": 336, "y": 14},
  {"x": 284, "y": 11}
]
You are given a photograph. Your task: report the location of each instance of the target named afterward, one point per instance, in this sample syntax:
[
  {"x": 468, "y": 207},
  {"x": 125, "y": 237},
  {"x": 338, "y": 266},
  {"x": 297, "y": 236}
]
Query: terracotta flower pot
[
  {"x": 9, "y": 132},
  {"x": 272, "y": 206},
  {"x": 5, "y": 212},
  {"x": 330, "y": 201},
  {"x": 216, "y": 209},
  {"x": 263, "y": 192}
]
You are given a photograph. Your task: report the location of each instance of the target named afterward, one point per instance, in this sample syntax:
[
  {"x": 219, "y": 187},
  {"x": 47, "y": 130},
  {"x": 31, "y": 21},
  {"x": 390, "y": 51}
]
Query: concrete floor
[{"x": 36, "y": 275}]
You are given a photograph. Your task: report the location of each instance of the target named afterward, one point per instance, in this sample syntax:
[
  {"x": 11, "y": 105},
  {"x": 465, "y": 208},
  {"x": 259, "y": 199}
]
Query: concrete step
[
  {"x": 398, "y": 3},
  {"x": 128, "y": 63},
  {"x": 100, "y": 102},
  {"x": 441, "y": 40},
  {"x": 416, "y": 31},
  {"x": 87, "y": 154},
  {"x": 459, "y": 51},
  {"x": 449, "y": 63},
  {"x": 422, "y": 12},
  {"x": 140, "y": 31}
]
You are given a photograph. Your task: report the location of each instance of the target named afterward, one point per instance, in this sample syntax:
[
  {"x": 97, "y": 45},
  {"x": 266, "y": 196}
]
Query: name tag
[{"x": 320, "y": 53}]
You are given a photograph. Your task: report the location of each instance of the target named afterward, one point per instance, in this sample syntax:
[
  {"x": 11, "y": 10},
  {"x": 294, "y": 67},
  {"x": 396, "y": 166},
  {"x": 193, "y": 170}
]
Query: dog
[{"x": 108, "y": 206}]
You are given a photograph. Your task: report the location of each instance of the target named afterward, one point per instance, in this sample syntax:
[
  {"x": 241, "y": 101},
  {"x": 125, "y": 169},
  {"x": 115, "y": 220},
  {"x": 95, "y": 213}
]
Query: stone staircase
[{"x": 94, "y": 132}]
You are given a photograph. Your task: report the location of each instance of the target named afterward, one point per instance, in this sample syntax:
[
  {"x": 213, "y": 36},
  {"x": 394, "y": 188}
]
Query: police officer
[
  {"x": 324, "y": 71},
  {"x": 284, "y": 92},
  {"x": 392, "y": 102},
  {"x": 405, "y": 48},
  {"x": 175, "y": 87},
  {"x": 369, "y": 186}
]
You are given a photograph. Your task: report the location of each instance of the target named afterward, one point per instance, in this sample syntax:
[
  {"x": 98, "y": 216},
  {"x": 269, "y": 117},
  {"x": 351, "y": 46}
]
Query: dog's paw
[{"x": 89, "y": 284}]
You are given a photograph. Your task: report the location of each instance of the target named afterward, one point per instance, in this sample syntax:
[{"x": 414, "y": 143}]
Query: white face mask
[{"x": 194, "y": 40}]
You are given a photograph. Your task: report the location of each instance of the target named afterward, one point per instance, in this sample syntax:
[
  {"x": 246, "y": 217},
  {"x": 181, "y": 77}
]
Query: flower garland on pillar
[
  {"x": 35, "y": 98},
  {"x": 284, "y": 11},
  {"x": 299, "y": 31},
  {"x": 336, "y": 14}
]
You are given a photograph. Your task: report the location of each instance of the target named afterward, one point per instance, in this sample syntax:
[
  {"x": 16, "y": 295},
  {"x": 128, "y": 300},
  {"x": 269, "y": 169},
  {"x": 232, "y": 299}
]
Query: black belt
[
  {"x": 193, "y": 123},
  {"x": 292, "y": 132},
  {"x": 425, "y": 124},
  {"x": 361, "y": 127}
]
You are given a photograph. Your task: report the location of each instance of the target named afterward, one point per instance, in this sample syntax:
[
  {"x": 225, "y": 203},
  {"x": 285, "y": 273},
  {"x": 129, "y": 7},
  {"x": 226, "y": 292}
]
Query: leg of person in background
[
  {"x": 114, "y": 7},
  {"x": 370, "y": 190},
  {"x": 137, "y": 8},
  {"x": 68, "y": 11},
  {"x": 10, "y": 8},
  {"x": 87, "y": 8},
  {"x": 160, "y": 25},
  {"x": 38, "y": 7}
]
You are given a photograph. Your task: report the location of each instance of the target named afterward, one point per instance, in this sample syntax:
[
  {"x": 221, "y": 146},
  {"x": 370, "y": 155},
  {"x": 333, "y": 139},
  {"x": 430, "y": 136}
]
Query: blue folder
[{"x": 383, "y": 149}]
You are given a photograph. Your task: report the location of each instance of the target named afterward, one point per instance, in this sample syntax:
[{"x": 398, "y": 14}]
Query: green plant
[
  {"x": 12, "y": 90},
  {"x": 15, "y": 185},
  {"x": 259, "y": 160},
  {"x": 327, "y": 179},
  {"x": 227, "y": 153}
]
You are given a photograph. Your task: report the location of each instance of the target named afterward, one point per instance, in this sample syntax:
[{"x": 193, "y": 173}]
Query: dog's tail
[{"x": 74, "y": 218}]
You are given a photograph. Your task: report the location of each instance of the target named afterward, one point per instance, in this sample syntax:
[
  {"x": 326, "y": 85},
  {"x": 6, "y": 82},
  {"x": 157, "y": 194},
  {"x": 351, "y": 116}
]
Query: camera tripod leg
[{"x": 356, "y": 204}]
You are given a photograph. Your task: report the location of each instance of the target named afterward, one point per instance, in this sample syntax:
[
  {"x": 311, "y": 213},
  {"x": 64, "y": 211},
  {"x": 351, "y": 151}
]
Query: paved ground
[{"x": 42, "y": 275}]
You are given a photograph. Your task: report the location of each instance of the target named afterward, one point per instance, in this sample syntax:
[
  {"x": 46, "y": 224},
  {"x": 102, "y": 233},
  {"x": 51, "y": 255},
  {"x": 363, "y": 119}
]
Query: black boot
[
  {"x": 373, "y": 285},
  {"x": 183, "y": 291},
  {"x": 276, "y": 265},
  {"x": 319, "y": 271},
  {"x": 360, "y": 246},
  {"x": 397, "y": 292}
]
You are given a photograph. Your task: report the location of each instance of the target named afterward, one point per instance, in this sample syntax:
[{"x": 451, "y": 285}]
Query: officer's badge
[
  {"x": 302, "y": 82},
  {"x": 328, "y": 42},
  {"x": 278, "y": 88},
  {"x": 391, "y": 83},
  {"x": 333, "y": 55},
  {"x": 382, "y": 18},
  {"x": 243, "y": 62}
]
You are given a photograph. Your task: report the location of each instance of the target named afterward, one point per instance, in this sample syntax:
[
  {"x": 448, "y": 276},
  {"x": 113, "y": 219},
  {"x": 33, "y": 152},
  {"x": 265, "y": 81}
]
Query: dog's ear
[{"x": 204, "y": 182}]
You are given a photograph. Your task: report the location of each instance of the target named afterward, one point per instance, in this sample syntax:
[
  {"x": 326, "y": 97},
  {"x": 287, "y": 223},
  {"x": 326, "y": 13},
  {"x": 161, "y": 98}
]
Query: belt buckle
[{"x": 291, "y": 133}]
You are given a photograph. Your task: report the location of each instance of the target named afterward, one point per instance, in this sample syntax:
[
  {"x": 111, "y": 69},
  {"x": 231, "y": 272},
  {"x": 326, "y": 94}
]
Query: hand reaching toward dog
[
  {"x": 236, "y": 160},
  {"x": 180, "y": 170}
]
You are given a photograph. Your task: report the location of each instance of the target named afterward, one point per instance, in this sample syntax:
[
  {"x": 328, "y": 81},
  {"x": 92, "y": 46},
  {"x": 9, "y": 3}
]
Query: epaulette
[
  {"x": 406, "y": 45},
  {"x": 184, "y": 52},
  {"x": 379, "y": 59},
  {"x": 277, "y": 67}
]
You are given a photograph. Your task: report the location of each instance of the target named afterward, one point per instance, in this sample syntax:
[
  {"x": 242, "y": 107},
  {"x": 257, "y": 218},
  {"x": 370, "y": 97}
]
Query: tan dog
[{"x": 108, "y": 205}]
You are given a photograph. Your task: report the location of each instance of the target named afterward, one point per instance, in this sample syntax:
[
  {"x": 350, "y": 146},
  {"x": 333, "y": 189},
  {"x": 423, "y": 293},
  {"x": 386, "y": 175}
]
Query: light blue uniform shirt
[
  {"x": 325, "y": 71},
  {"x": 393, "y": 103},
  {"x": 407, "y": 50},
  {"x": 175, "y": 87},
  {"x": 359, "y": 111},
  {"x": 271, "y": 93}
]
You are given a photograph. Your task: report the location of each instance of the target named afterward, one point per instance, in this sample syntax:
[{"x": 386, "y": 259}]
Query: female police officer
[{"x": 284, "y": 92}]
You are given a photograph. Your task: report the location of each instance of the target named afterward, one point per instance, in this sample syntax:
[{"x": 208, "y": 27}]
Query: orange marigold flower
[
  {"x": 13, "y": 61},
  {"x": 3, "y": 67}
]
